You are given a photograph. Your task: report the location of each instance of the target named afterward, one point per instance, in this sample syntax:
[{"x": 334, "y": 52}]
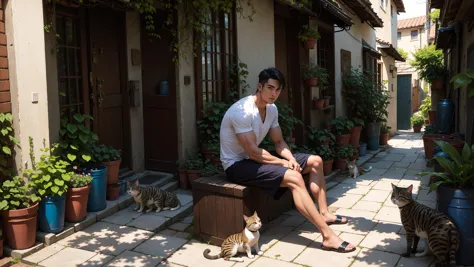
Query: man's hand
[{"x": 292, "y": 164}]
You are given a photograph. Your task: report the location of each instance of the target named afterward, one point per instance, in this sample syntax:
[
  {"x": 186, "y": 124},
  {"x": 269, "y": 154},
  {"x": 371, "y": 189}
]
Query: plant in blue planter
[
  {"x": 50, "y": 177},
  {"x": 455, "y": 194}
]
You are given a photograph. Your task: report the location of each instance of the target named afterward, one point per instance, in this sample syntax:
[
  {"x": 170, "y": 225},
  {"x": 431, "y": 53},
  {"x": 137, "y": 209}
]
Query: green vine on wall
[{"x": 7, "y": 143}]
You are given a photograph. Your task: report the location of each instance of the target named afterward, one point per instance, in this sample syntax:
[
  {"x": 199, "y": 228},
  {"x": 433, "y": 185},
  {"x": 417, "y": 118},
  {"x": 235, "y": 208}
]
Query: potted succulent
[
  {"x": 50, "y": 177},
  {"x": 454, "y": 188},
  {"x": 355, "y": 132},
  {"x": 327, "y": 154},
  {"x": 109, "y": 157},
  {"x": 309, "y": 36},
  {"x": 19, "y": 210},
  {"x": 417, "y": 122},
  {"x": 343, "y": 127},
  {"x": 342, "y": 154},
  {"x": 384, "y": 134},
  {"x": 77, "y": 196}
]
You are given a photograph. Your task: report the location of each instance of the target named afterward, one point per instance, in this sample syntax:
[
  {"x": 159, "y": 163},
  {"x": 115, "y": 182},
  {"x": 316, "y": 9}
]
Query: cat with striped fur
[
  {"x": 354, "y": 170},
  {"x": 240, "y": 242},
  {"x": 152, "y": 197},
  {"x": 440, "y": 234}
]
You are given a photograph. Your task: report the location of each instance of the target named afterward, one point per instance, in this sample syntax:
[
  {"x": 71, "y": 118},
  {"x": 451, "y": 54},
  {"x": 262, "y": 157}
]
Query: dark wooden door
[
  {"x": 159, "y": 106},
  {"x": 108, "y": 92},
  {"x": 404, "y": 102}
]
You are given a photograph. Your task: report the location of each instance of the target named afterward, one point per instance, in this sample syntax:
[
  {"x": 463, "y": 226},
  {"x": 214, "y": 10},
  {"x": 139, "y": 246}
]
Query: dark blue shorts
[{"x": 267, "y": 177}]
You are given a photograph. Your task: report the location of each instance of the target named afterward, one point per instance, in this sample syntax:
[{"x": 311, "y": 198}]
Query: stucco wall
[
  {"x": 256, "y": 40},
  {"x": 27, "y": 65},
  {"x": 392, "y": 89}
]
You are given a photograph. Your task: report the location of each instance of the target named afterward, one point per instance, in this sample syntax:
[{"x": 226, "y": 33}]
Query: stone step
[{"x": 124, "y": 174}]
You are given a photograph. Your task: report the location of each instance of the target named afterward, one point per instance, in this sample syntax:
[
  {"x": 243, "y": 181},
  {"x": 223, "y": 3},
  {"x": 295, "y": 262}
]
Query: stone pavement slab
[
  {"x": 74, "y": 257},
  {"x": 343, "y": 189},
  {"x": 346, "y": 201},
  {"x": 359, "y": 222},
  {"x": 130, "y": 258},
  {"x": 160, "y": 246},
  {"x": 389, "y": 214},
  {"x": 264, "y": 262},
  {"x": 191, "y": 255},
  {"x": 376, "y": 196},
  {"x": 368, "y": 257},
  {"x": 367, "y": 206}
]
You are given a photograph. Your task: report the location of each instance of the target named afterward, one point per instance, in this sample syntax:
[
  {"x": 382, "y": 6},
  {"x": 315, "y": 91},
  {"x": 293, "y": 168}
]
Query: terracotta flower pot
[
  {"x": 457, "y": 144},
  {"x": 437, "y": 84},
  {"x": 343, "y": 140},
  {"x": 326, "y": 101},
  {"x": 429, "y": 144},
  {"x": 355, "y": 136},
  {"x": 416, "y": 128},
  {"x": 340, "y": 164},
  {"x": 112, "y": 170},
  {"x": 19, "y": 227},
  {"x": 113, "y": 192},
  {"x": 327, "y": 166},
  {"x": 183, "y": 179},
  {"x": 432, "y": 116},
  {"x": 384, "y": 138},
  {"x": 193, "y": 175},
  {"x": 310, "y": 43},
  {"x": 318, "y": 103},
  {"x": 427, "y": 122},
  {"x": 76, "y": 203},
  {"x": 311, "y": 82}
]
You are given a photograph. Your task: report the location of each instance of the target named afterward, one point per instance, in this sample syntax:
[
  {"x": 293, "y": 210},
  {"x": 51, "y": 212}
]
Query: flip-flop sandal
[
  {"x": 338, "y": 220},
  {"x": 340, "y": 249}
]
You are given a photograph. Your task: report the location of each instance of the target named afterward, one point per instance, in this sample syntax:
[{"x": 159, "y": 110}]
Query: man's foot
[
  {"x": 334, "y": 219},
  {"x": 335, "y": 243}
]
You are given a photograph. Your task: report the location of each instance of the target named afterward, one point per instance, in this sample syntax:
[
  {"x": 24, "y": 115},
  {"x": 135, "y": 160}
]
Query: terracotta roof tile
[
  {"x": 412, "y": 22},
  {"x": 383, "y": 41}
]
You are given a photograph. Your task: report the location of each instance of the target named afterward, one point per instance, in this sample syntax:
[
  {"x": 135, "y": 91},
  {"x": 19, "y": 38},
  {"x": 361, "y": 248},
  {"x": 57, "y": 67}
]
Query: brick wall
[{"x": 5, "y": 98}]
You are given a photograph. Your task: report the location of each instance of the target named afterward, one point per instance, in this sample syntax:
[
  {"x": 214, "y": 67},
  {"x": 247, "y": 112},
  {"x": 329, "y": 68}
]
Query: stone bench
[{"x": 219, "y": 206}]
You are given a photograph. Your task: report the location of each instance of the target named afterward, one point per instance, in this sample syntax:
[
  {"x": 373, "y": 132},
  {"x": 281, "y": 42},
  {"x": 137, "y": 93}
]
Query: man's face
[{"x": 270, "y": 91}]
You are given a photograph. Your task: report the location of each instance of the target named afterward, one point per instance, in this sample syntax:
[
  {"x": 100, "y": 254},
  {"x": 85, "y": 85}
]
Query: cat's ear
[
  {"x": 136, "y": 182},
  {"x": 246, "y": 218},
  {"x": 254, "y": 214},
  {"x": 410, "y": 188},
  {"x": 393, "y": 186}
]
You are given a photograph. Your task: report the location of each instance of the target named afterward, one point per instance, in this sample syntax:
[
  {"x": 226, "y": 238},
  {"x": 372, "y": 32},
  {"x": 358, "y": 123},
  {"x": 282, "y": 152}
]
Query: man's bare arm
[
  {"x": 281, "y": 146},
  {"x": 248, "y": 140}
]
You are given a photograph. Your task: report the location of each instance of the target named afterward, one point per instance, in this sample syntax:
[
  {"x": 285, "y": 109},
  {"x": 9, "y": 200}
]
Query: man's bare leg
[
  {"x": 317, "y": 186},
  {"x": 303, "y": 202}
]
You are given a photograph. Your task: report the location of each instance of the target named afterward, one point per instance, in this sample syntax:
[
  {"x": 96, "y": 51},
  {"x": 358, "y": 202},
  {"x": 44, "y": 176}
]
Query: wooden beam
[{"x": 463, "y": 13}]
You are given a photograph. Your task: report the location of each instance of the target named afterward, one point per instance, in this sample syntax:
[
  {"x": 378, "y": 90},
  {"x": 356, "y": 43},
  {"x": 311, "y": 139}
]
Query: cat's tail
[
  {"x": 368, "y": 169},
  {"x": 177, "y": 206},
  {"x": 454, "y": 236},
  {"x": 210, "y": 257}
]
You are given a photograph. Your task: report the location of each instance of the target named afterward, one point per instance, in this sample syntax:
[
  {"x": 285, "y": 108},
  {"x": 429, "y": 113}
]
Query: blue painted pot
[
  {"x": 362, "y": 149},
  {"x": 458, "y": 204},
  {"x": 123, "y": 187},
  {"x": 373, "y": 136},
  {"x": 51, "y": 214},
  {"x": 445, "y": 115},
  {"x": 98, "y": 191}
]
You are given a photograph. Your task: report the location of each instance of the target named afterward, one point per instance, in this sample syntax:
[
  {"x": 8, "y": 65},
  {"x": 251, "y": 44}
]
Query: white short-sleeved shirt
[{"x": 243, "y": 116}]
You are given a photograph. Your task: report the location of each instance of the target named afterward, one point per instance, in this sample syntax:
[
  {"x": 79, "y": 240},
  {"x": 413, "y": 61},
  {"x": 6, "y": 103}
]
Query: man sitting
[{"x": 243, "y": 128}]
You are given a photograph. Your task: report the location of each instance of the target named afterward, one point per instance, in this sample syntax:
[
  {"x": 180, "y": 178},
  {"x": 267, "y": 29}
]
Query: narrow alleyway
[{"x": 289, "y": 240}]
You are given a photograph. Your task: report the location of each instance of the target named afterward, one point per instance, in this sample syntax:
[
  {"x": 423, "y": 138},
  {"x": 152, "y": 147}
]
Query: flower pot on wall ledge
[
  {"x": 310, "y": 43},
  {"x": 311, "y": 81},
  {"x": 318, "y": 103}
]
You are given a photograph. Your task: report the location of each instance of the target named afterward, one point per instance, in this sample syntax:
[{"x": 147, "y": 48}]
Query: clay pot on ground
[
  {"x": 193, "y": 175},
  {"x": 417, "y": 128},
  {"x": 437, "y": 84},
  {"x": 310, "y": 43},
  {"x": 113, "y": 191},
  {"x": 76, "y": 203},
  {"x": 340, "y": 164},
  {"x": 427, "y": 121},
  {"x": 19, "y": 227},
  {"x": 429, "y": 144},
  {"x": 311, "y": 82},
  {"x": 355, "y": 136},
  {"x": 384, "y": 138},
  {"x": 327, "y": 167},
  {"x": 343, "y": 140},
  {"x": 112, "y": 170}
]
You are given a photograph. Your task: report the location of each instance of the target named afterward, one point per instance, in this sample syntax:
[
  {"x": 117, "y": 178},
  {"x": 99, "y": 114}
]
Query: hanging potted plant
[
  {"x": 343, "y": 127},
  {"x": 355, "y": 132},
  {"x": 384, "y": 134},
  {"x": 342, "y": 154},
  {"x": 317, "y": 103},
  {"x": 77, "y": 197},
  {"x": 417, "y": 122},
  {"x": 429, "y": 63},
  {"x": 19, "y": 210},
  {"x": 327, "y": 154},
  {"x": 50, "y": 177},
  {"x": 313, "y": 74},
  {"x": 454, "y": 188},
  {"x": 309, "y": 36}
]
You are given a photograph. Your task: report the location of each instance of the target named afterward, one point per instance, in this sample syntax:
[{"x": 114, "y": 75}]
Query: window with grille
[
  {"x": 71, "y": 98},
  {"x": 323, "y": 50},
  {"x": 218, "y": 54},
  {"x": 414, "y": 35}
]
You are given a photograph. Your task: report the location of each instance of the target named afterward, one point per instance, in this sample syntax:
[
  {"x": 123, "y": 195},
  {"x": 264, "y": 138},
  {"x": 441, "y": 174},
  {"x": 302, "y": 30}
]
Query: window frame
[{"x": 417, "y": 35}]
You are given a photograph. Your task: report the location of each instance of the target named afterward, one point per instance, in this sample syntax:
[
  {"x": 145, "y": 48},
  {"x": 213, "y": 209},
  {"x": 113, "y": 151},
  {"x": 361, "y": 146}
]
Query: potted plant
[
  {"x": 287, "y": 121},
  {"x": 425, "y": 107},
  {"x": 455, "y": 194},
  {"x": 327, "y": 154},
  {"x": 342, "y": 154},
  {"x": 209, "y": 126},
  {"x": 317, "y": 103},
  {"x": 183, "y": 178},
  {"x": 417, "y": 122},
  {"x": 384, "y": 134},
  {"x": 429, "y": 63},
  {"x": 113, "y": 191},
  {"x": 314, "y": 74},
  {"x": 77, "y": 196},
  {"x": 319, "y": 137},
  {"x": 355, "y": 132},
  {"x": 50, "y": 177},
  {"x": 19, "y": 210},
  {"x": 194, "y": 164},
  {"x": 342, "y": 127},
  {"x": 109, "y": 157},
  {"x": 208, "y": 169},
  {"x": 309, "y": 36}
]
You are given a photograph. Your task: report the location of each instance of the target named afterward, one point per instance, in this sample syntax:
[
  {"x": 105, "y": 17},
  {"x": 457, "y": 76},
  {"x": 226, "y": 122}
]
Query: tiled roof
[
  {"x": 388, "y": 48},
  {"x": 432, "y": 31},
  {"x": 412, "y": 22},
  {"x": 382, "y": 41},
  {"x": 400, "y": 6}
]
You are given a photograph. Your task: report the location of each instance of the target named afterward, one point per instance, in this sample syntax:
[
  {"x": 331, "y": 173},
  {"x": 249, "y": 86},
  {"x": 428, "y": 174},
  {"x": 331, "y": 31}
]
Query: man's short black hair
[{"x": 271, "y": 73}]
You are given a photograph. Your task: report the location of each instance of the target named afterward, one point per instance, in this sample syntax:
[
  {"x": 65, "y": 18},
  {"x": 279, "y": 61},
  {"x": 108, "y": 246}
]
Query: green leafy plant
[
  {"x": 358, "y": 121},
  {"x": 77, "y": 140},
  {"x": 434, "y": 15},
  {"x": 384, "y": 128},
  {"x": 402, "y": 52},
  {"x": 103, "y": 153},
  {"x": 428, "y": 61},
  {"x": 7, "y": 143},
  {"x": 425, "y": 106},
  {"x": 208, "y": 169},
  {"x": 79, "y": 180},
  {"x": 417, "y": 120},
  {"x": 210, "y": 125},
  {"x": 464, "y": 79},
  {"x": 326, "y": 153},
  {"x": 305, "y": 149},
  {"x": 344, "y": 152},
  {"x": 430, "y": 129},
  {"x": 286, "y": 119},
  {"x": 194, "y": 162},
  {"x": 458, "y": 172},
  {"x": 316, "y": 136},
  {"x": 342, "y": 125},
  {"x": 308, "y": 32},
  {"x": 17, "y": 194},
  {"x": 313, "y": 70},
  {"x": 50, "y": 175}
]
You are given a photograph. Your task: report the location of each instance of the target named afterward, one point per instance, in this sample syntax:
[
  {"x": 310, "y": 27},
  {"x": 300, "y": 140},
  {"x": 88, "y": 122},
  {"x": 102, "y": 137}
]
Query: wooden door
[
  {"x": 108, "y": 92},
  {"x": 159, "y": 106},
  {"x": 404, "y": 102}
]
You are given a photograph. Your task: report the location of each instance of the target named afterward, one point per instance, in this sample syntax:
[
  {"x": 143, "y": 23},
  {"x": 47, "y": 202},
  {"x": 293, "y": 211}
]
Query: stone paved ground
[{"x": 290, "y": 240}]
